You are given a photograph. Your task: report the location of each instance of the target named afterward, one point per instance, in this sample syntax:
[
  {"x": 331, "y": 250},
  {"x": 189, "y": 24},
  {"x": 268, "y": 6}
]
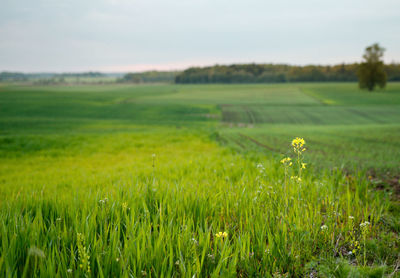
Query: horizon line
[{"x": 171, "y": 67}]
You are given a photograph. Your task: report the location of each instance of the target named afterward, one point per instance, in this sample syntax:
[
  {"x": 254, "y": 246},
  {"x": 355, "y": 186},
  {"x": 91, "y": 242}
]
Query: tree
[{"x": 371, "y": 72}]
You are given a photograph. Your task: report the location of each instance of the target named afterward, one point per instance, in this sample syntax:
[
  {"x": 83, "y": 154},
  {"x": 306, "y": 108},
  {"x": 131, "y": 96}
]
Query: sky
[{"x": 132, "y": 35}]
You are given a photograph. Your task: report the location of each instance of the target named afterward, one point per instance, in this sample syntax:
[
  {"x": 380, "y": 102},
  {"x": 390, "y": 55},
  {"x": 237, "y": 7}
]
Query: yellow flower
[
  {"x": 286, "y": 160},
  {"x": 83, "y": 253},
  {"x": 221, "y": 235},
  {"x": 303, "y": 165},
  {"x": 298, "y": 142},
  {"x": 124, "y": 205},
  {"x": 296, "y": 178}
]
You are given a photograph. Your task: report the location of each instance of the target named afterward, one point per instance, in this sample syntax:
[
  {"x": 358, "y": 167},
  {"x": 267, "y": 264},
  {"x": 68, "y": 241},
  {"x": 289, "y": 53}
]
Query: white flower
[
  {"x": 69, "y": 270},
  {"x": 324, "y": 227},
  {"x": 364, "y": 224},
  {"x": 351, "y": 217}
]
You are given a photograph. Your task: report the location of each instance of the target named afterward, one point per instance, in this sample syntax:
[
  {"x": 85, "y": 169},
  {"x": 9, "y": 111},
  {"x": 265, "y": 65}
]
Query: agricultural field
[{"x": 192, "y": 181}]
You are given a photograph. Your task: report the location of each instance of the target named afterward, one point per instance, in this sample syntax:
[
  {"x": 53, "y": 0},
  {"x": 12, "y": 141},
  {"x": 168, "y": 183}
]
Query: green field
[{"x": 137, "y": 181}]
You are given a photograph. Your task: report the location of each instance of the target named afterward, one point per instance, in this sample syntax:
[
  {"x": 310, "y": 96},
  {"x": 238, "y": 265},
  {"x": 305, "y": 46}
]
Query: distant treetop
[
  {"x": 371, "y": 71},
  {"x": 277, "y": 73}
]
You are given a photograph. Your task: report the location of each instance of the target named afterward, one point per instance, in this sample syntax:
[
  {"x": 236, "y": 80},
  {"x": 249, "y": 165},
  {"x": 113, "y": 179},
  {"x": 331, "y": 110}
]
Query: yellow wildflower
[
  {"x": 124, "y": 205},
  {"x": 296, "y": 178},
  {"x": 285, "y": 160},
  {"x": 298, "y": 142},
  {"x": 83, "y": 253},
  {"x": 221, "y": 235},
  {"x": 303, "y": 165}
]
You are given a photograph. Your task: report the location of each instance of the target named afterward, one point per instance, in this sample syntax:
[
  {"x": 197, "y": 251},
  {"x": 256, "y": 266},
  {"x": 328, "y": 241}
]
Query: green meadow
[{"x": 188, "y": 181}]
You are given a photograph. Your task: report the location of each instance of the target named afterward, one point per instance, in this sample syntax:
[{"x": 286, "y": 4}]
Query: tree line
[
  {"x": 150, "y": 77},
  {"x": 7, "y": 76},
  {"x": 278, "y": 73},
  {"x": 236, "y": 73}
]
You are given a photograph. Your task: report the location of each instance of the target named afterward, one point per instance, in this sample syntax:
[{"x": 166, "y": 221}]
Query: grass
[
  {"x": 133, "y": 181},
  {"x": 348, "y": 128},
  {"x": 315, "y": 115},
  {"x": 370, "y": 148}
]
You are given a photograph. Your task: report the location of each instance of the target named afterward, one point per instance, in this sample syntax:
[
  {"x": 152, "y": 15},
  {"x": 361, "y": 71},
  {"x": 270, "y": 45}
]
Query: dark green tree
[{"x": 371, "y": 71}]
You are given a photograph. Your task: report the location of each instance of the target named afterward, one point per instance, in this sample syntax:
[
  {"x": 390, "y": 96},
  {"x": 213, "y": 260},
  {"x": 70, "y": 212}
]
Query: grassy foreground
[{"x": 129, "y": 182}]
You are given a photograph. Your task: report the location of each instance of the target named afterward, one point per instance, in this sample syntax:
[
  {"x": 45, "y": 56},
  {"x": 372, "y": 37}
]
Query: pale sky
[{"x": 132, "y": 35}]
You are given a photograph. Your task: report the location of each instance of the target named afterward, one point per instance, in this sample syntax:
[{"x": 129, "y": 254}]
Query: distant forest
[
  {"x": 150, "y": 77},
  {"x": 18, "y": 76},
  {"x": 277, "y": 73},
  {"x": 238, "y": 73}
]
